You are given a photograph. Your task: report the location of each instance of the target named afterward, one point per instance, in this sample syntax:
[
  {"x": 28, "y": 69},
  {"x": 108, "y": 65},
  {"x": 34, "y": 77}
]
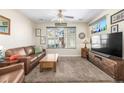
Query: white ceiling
[{"x": 46, "y": 15}]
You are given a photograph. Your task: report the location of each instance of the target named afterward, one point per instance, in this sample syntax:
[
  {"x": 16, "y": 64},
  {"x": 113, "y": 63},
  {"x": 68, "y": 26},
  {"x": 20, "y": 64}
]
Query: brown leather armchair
[{"x": 12, "y": 73}]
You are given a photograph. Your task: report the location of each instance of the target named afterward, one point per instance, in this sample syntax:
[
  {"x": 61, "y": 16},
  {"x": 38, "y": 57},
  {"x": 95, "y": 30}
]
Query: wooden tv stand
[{"x": 112, "y": 66}]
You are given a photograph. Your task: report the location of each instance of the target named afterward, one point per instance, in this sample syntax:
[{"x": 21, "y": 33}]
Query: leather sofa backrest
[
  {"x": 23, "y": 51},
  {"x": 8, "y": 53},
  {"x": 14, "y": 51},
  {"x": 29, "y": 50}
]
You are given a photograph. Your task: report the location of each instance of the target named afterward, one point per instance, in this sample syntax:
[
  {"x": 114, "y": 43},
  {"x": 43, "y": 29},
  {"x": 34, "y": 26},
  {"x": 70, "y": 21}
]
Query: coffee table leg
[
  {"x": 41, "y": 69},
  {"x": 54, "y": 67}
]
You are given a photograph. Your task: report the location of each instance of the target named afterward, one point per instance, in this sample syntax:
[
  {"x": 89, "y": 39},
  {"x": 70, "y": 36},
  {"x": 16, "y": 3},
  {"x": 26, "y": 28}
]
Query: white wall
[
  {"x": 108, "y": 14},
  {"x": 21, "y": 30},
  {"x": 80, "y": 27}
]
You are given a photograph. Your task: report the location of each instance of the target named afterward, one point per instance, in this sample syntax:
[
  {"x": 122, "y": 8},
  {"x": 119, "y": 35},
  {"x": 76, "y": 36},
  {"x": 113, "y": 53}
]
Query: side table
[{"x": 84, "y": 52}]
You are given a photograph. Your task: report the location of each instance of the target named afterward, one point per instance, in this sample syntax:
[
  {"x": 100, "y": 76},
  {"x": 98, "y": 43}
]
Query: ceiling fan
[{"x": 60, "y": 17}]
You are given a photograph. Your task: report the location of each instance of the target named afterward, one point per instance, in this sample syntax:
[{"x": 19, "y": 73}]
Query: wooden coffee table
[{"x": 49, "y": 61}]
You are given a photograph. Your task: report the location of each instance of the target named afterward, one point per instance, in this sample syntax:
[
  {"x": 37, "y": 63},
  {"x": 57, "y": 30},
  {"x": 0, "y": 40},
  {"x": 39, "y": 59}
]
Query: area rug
[{"x": 69, "y": 70}]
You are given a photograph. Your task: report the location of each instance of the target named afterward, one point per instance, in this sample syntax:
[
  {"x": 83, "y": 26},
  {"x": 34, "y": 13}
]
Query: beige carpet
[{"x": 69, "y": 69}]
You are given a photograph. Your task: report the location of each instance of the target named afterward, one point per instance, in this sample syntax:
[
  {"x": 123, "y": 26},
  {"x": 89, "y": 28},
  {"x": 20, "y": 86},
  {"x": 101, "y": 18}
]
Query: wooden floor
[{"x": 69, "y": 69}]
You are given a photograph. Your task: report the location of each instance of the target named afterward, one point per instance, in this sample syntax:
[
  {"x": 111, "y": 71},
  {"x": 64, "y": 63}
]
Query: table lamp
[{"x": 85, "y": 42}]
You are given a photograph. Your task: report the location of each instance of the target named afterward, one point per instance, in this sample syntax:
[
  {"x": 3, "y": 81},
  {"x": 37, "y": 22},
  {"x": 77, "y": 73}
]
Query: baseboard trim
[{"x": 70, "y": 55}]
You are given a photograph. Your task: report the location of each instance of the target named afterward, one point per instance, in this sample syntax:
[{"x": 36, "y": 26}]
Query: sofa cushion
[
  {"x": 14, "y": 57},
  {"x": 29, "y": 50},
  {"x": 8, "y": 53},
  {"x": 38, "y": 49},
  {"x": 13, "y": 73},
  {"x": 19, "y": 51},
  {"x": 32, "y": 58},
  {"x": 12, "y": 77}
]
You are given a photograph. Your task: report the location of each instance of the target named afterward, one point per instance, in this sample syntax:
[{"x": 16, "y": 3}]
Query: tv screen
[{"x": 110, "y": 44}]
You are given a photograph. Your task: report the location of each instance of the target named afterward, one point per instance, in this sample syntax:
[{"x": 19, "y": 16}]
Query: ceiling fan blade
[
  {"x": 54, "y": 19},
  {"x": 69, "y": 17}
]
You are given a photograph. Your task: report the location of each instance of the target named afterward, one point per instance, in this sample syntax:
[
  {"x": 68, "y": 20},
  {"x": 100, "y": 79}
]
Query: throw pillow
[
  {"x": 38, "y": 49},
  {"x": 14, "y": 57}
]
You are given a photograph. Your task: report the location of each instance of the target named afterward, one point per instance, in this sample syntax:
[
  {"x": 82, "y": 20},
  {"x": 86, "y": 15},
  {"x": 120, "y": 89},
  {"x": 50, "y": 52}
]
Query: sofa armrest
[
  {"x": 23, "y": 59},
  {"x": 26, "y": 61},
  {"x": 44, "y": 50},
  {"x": 11, "y": 68}
]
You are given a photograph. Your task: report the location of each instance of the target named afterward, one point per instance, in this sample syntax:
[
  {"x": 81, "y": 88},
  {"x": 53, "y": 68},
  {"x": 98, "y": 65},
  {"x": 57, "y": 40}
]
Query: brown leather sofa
[
  {"x": 12, "y": 73},
  {"x": 27, "y": 55}
]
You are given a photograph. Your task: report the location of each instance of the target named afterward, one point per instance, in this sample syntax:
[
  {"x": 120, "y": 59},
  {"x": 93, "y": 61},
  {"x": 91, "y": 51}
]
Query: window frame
[{"x": 64, "y": 37}]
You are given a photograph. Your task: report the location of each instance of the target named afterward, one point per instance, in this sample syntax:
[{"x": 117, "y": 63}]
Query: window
[{"x": 61, "y": 37}]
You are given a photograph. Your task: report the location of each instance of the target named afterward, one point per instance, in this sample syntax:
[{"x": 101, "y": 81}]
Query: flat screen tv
[{"x": 110, "y": 44}]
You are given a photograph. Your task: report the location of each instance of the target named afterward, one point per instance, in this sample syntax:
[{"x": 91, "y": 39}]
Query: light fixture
[
  {"x": 60, "y": 17},
  {"x": 85, "y": 42}
]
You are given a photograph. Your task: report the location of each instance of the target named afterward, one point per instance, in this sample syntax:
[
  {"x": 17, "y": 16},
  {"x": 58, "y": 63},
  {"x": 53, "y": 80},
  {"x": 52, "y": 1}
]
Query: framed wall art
[
  {"x": 99, "y": 25},
  {"x": 114, "y": 28},
  {"x": 37, "y": 32},
  {"x": 82, "y": 35},
  {"x": 4, "y": 25},
  {"x": 117, "y": 17},
  {"x": 42, "y": 40}
]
